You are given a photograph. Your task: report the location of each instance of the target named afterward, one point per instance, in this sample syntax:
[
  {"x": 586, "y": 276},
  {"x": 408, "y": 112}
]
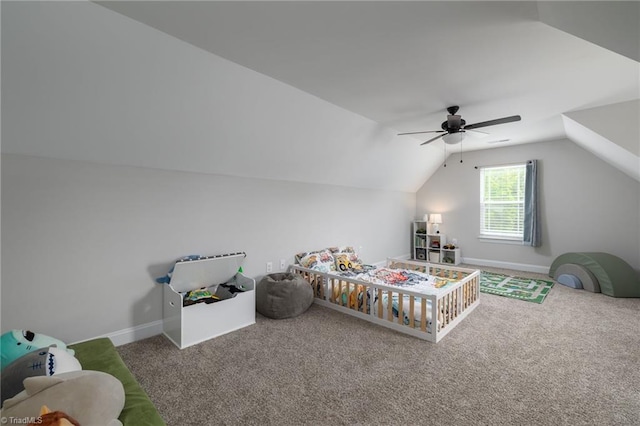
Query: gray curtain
[{"x": 531, "y": 215}]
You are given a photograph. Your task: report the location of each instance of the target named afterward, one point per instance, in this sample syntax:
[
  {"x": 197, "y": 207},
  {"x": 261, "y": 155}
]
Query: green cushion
[
  {"x": 101, "y": 355},
  {"x": 615, "y": 276}
]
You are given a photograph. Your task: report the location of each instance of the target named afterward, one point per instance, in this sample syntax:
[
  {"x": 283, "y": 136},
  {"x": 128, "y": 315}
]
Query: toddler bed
[{"x": 423, "y": 300}]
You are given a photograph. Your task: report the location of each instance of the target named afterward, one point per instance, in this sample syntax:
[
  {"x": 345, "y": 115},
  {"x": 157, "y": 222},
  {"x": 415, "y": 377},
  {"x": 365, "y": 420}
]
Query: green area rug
[{"x": 529, "y": 289}]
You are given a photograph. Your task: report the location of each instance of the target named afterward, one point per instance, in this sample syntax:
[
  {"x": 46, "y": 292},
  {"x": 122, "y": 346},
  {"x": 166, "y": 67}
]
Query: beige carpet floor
[{"x": 572, "y": 360}]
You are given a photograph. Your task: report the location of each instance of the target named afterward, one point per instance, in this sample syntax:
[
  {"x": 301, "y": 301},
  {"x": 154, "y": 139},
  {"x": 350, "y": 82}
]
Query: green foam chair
[{"x": 615, "y": 276}]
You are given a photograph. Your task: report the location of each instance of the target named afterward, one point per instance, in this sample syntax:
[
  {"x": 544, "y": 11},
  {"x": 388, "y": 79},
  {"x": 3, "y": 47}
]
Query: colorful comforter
[{"x": 411, "y": 280}]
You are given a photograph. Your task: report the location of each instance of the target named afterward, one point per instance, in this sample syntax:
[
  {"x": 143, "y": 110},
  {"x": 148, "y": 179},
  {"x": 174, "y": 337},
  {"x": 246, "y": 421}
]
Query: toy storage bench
[{"x": 232, "y": 307}]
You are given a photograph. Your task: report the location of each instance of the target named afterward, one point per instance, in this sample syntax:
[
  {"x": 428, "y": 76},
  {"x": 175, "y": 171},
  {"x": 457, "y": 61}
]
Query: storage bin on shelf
[
  {"x": 451, "y": 256},
  {"x": 232, "y": 306}
]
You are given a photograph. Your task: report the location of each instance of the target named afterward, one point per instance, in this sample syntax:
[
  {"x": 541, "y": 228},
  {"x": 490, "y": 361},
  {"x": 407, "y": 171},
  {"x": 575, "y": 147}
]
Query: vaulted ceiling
[
  {"x": 402, "y": 63},
  {"x": 358, "y": 72}
]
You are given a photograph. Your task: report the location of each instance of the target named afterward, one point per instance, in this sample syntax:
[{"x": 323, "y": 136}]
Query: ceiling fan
[{"x": 453, "y": 130}]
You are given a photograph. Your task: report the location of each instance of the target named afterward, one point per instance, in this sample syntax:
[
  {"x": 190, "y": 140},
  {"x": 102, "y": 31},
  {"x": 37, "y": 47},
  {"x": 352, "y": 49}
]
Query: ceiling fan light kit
[
  {"x": 454, "y": 129},
  {"x": 453, "y": 138}
]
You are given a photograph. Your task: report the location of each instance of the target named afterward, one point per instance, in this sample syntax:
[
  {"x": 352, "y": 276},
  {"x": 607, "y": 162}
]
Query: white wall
[
  {"x": 83, "y": 242},
  {"x": 586, "y": 205},
  {"x": 119, "y": 149}
]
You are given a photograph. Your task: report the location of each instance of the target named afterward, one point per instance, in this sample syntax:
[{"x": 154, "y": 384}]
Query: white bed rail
[{"x": 427, "y": 316}]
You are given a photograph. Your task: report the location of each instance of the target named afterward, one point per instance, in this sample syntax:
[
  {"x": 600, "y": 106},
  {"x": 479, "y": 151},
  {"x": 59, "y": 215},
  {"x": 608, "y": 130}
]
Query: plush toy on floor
[
  {"x": 92, "y": 398},
  {"x": 41, "y": 362},
  {"x": 15, "y": 343}
]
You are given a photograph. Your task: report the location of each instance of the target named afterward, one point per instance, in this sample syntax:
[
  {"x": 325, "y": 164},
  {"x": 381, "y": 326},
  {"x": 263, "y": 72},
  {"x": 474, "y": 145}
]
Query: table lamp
[{"x": 436, "y": 220}]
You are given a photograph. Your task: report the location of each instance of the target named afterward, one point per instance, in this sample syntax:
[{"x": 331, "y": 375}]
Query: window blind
[{"x": 502, "y": 192}]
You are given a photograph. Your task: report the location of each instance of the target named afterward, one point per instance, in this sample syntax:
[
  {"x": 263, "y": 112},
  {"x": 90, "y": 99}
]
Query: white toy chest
[{"x": 188, "y": 325}]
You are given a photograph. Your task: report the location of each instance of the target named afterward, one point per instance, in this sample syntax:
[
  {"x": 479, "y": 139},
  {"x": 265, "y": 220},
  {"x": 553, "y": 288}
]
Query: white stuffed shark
[
  {"x": 40, "y": 362},
  {"x": 16, "y": 343}
]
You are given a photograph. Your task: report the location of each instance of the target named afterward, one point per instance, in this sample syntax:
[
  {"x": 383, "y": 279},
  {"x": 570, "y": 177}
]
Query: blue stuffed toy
[
  {"x": 16, "y": 343},
  {"x": 167, "y": 278}
]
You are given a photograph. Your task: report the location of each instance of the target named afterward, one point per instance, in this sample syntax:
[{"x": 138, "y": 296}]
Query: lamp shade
[{"x": 435, "y": 218}]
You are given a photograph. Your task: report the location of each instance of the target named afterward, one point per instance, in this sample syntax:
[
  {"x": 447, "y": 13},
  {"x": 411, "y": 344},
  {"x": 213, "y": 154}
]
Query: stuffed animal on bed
[
  {"x": 16, "y": 343},
  {"x": 54, "y": 418},
  {"x": 343, "y": 263},
  {"x": 355, "y": 297},
  {"x": 349, "y": 262}
]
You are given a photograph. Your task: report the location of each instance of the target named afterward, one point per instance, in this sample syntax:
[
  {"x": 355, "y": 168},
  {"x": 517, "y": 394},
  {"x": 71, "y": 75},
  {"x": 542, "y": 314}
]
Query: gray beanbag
[{"x": 283, "y": 295}]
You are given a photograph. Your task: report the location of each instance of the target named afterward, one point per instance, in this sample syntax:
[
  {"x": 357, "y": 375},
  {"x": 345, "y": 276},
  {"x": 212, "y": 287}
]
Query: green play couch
[
  {"x": 608, "y": 274},
  {"x": 101, "y": 355}
]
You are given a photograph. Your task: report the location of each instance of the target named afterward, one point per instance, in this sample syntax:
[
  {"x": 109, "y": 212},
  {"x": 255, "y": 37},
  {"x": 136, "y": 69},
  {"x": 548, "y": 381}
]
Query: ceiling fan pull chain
[
  {"x": 460, "y": 151},
  {"x": 445, "y": 155}
]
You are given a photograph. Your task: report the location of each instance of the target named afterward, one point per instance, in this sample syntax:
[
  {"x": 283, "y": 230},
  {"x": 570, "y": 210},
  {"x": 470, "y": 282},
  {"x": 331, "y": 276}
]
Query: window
[{"x": 502, "y": 202}]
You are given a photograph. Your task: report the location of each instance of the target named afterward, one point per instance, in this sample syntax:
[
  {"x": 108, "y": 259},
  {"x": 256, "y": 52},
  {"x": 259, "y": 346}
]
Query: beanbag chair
[{"x": 283, "y": 295}]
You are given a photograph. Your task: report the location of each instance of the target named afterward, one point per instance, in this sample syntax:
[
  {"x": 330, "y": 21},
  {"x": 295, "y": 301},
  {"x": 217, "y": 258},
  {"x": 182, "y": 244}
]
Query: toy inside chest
[{"x": 207, "y": 297}]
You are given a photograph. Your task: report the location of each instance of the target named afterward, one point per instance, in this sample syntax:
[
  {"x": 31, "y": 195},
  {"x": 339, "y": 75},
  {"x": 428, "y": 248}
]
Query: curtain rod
[{"x": 501, "y": 165}]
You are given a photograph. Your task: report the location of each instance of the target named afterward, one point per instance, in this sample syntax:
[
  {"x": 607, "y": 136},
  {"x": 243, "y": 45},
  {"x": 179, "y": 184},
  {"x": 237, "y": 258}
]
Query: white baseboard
[
  {"x": 132, "y": 334},
  {"x": 507, "y": 265},
  {"x": 139, "y": 332}
]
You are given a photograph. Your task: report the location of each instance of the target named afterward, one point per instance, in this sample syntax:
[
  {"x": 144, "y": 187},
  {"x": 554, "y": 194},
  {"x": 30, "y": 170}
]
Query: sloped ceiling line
[{"x": 603, "y": 148}]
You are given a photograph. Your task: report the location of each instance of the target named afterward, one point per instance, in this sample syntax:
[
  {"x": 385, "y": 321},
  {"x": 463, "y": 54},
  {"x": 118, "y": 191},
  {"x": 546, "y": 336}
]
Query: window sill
[{"x": 500, "y": 240}]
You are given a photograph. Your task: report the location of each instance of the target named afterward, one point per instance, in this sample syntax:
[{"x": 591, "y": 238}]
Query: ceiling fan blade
[
  {"x": 480, "y": 133},
  {"x": 416, "y": 133},
  {"x": 493, "y": 122},
  {"x": 433, "y": 139}
]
